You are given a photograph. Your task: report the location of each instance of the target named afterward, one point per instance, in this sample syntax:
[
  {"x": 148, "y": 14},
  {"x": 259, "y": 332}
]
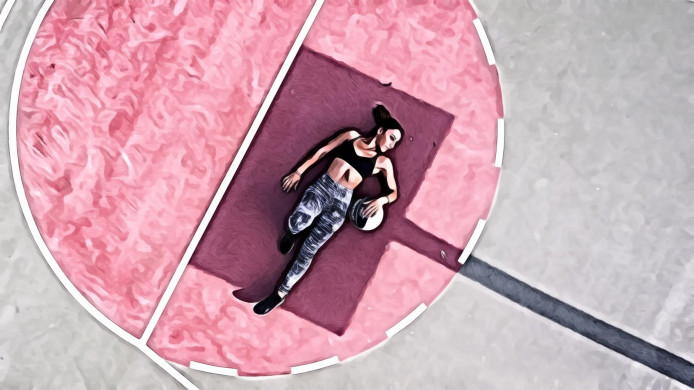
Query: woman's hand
[
  {"x": 290, "y": 182},
  {"x": 374, "y": 206}
]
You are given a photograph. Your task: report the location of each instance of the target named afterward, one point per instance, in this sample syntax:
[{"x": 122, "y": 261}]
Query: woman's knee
[
  {"x": 305, "y": 212},
  {"x": 299, "y": 220}
]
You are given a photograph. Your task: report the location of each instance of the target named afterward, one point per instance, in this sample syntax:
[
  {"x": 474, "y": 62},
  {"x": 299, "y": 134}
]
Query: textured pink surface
[
  {"x": 206, "y": 324},
  {"x": 430, "y": 50},
  {"x": 129, "y": 115}
]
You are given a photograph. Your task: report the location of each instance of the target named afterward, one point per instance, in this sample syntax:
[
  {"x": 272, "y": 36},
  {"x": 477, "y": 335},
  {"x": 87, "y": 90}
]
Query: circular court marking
[{"x": 93, "y": 187}]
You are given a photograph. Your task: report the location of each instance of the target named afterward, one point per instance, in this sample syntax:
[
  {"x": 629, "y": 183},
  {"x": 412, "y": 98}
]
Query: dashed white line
[
  {"x": 406, "y": 321},
  {"x": 315, "y": 366},
  {"x": 474, "y": 7},
  {"x": 213, "y": 369},
  {"x": 485, "y": 41},
  {"x": 473, "y": 241},
  {"x": 498, "y": 160}
]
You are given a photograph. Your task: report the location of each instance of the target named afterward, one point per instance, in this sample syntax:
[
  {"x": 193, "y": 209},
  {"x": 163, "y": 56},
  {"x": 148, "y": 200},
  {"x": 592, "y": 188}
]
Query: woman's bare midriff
[{"x": 344, "y": 174}]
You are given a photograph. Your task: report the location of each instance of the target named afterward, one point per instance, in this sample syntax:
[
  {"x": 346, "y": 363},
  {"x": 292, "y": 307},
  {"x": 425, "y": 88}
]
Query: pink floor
[
  {"x": 206, "y": 324},
  {"x": 129, "y": 115},
  {"x": 449, "y": 71}
]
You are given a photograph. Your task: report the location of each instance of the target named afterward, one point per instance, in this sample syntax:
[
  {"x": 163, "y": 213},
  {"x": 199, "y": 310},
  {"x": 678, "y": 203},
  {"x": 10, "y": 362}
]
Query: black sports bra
[{"x": 363, "y": 165}]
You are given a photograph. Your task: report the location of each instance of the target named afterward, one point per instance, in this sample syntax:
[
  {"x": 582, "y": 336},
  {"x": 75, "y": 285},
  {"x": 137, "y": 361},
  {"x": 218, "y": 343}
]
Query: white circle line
[{"x": 24, "y": 204}]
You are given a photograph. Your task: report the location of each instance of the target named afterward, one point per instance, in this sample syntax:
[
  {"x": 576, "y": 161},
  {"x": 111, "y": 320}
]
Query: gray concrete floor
[
  {"x": 592, "y": 209},
  {"x": 595, "y": 203}
]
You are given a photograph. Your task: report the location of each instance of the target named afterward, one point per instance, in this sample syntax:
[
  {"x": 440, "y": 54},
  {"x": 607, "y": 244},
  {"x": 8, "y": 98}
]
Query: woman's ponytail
[
  {"x": 380, "y": 114},
  {"x": 383, "y": 119}
]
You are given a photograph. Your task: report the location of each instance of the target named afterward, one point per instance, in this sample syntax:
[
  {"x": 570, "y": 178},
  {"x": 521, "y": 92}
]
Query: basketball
[{"x": 359, "y": 220}]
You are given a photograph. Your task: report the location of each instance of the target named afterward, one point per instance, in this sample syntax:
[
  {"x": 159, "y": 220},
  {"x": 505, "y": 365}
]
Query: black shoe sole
[
  {"x": 279, "y": 243},
  {"x": 268, "y": 310},
  {"x": 285, "y": 252}
]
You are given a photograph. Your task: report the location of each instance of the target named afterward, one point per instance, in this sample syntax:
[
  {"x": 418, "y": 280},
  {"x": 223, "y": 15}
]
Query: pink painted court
[{"x": 152, "y": 138}]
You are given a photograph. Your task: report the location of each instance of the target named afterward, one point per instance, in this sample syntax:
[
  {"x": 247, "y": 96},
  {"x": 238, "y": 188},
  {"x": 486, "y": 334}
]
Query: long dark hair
[{"x": 383, "y": 119}]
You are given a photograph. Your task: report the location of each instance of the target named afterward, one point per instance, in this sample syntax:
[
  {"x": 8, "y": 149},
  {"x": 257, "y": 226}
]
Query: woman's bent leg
[
  {"x": 326, "y": 226},
  {"x": 309, "y": 207}
]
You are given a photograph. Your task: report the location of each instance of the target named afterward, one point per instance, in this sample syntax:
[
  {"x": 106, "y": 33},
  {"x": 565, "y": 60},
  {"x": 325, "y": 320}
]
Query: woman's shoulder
[
  {"x": 344, "y": 139},
  {"x": 352, "y": 134},
  {"x": 382, "y": 160},
  {"x": 347, "y": 135}
]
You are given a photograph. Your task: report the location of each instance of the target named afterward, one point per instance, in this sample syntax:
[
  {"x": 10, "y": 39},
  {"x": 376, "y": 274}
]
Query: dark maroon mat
[{"x": 318, "y": 98}]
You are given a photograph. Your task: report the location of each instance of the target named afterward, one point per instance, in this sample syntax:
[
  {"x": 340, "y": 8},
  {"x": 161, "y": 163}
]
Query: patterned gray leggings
[{"x": 327, "y": 200}]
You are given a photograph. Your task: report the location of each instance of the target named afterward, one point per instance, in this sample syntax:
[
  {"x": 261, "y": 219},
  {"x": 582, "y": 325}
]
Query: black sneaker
[
  {"x": 263, "y": 307},
  {"x": 286, "y": 242}
]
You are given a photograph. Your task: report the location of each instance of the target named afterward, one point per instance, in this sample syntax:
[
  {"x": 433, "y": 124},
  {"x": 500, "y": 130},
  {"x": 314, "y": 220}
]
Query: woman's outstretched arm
[{"x": 291, "y": 181}]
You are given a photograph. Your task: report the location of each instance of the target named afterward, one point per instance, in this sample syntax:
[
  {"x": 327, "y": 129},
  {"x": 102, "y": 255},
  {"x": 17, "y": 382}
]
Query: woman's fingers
[
  {"x": 370, "y": 211},
  {"x": 289, "y": 184}
]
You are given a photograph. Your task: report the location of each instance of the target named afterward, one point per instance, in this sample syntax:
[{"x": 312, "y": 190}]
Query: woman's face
[{"x": 388, "y": 139}]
